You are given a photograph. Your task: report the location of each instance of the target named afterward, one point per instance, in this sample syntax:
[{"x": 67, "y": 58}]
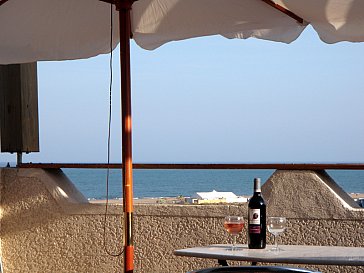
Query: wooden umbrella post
[{"x": 124, "y": 7}]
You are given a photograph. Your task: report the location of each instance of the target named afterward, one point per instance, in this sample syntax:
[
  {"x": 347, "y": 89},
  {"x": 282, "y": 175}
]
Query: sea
[{"x": 173, "y": 183}]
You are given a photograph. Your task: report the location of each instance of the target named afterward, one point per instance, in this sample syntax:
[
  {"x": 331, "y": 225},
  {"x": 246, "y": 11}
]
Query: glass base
[{"x": 276, "y": 249}]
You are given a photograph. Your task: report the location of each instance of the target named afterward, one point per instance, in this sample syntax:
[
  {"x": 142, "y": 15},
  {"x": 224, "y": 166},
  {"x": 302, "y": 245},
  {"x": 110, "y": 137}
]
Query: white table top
[{"x": 292, "y": 254}]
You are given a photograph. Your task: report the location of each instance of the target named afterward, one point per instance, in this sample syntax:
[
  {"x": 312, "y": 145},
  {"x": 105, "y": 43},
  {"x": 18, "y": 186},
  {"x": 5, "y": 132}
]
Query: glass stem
[
  {"x": 275, "y": 242},
  {"x": 234, "y": 243}
]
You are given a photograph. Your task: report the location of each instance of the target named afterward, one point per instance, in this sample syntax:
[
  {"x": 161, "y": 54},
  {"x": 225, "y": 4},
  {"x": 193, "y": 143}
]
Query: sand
[{"x": 174, "y": 200}]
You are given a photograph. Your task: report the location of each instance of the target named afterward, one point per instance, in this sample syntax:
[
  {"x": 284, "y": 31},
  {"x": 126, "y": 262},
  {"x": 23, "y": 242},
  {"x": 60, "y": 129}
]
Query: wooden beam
[{"x": 19, "y": 108}]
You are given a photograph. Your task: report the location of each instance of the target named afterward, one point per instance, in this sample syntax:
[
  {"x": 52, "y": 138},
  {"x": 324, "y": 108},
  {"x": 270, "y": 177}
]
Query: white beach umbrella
[
  {"x": 156, "y": 21},
  {"x": 37, "y": 30},
  {"x": 34, "y": 30}
]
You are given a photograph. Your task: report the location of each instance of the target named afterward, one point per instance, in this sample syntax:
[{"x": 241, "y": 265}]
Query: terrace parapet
[{"x": 48, "y": 226}]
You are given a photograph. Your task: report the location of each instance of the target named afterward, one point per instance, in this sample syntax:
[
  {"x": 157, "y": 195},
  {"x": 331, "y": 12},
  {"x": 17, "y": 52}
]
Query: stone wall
[{"x": 47, "y": 226}]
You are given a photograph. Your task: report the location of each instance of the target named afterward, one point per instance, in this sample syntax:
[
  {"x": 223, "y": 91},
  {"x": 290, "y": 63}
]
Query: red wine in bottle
[{"x": 257, "y": 218}]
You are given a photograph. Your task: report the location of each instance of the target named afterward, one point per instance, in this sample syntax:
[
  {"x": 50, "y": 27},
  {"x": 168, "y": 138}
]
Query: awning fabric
[
  {"x": 35, "y": 30},
  {"x": 72, "y": 29}
]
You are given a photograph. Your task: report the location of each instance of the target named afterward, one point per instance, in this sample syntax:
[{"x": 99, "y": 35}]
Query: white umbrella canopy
[
  {"x": 156, "y": 22},
  {"x": 73, "y": 29},
  {"x": 333, "y": 20},
  {"x": 39, "y": 30}
]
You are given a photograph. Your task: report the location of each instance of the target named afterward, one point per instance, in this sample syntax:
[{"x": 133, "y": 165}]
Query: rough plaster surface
[
  {"x": 310, "y": 195},
  {"x": 46, "y": 226}
]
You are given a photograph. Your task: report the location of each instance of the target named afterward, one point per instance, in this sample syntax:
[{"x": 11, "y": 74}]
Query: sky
[{"x": 209, "y": 100}]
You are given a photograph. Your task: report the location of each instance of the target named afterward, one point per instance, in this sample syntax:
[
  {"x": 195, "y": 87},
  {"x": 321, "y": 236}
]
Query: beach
[{"x": 174, "y": 200}]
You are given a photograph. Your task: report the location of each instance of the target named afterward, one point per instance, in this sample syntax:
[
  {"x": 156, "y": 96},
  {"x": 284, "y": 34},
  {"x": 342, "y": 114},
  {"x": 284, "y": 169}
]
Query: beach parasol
[{"x": 72, "y": 29}]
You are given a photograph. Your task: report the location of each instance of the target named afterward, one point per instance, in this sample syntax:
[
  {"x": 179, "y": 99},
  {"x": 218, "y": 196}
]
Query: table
[{"x": 291, "y": 254}]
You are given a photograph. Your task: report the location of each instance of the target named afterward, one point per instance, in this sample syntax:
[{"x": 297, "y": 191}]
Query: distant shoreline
[
  {"x": 356, "y": 195},
  {"x": 172, "y": 200},
  {"x": 144, "y": 200}
]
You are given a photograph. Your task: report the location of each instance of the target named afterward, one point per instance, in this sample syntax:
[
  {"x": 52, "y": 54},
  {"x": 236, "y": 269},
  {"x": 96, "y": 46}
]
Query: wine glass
[
  {"x": 234, "y": 225},
  {"x": 276, "y": 225}
]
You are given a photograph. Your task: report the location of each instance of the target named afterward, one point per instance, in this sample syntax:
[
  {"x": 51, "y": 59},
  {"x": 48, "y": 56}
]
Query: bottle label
[
  {"x": 254, "y": 229},
  {"x": 254, "y": 216}
]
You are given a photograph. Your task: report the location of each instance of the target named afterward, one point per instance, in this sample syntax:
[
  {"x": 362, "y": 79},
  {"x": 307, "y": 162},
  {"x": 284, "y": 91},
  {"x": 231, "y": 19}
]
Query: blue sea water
[{"x": 172, "y": 183}]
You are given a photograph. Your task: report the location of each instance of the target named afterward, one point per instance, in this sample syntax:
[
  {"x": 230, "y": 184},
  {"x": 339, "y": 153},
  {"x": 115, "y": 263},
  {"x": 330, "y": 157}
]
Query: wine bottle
[{"x": 257, "y": 218}]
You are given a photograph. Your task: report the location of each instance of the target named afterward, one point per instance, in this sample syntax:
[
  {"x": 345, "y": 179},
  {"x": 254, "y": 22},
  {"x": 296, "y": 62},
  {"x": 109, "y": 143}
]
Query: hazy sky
[{"x": 210, "y": 100}]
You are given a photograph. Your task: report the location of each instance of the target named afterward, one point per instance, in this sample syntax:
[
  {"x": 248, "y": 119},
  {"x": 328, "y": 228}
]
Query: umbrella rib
[
  {"x": 285, "y": 11},
  {"x": 120, "y": 4},
  {"x": 109, "y": 1},
  {"x": 2, "y": 2}
]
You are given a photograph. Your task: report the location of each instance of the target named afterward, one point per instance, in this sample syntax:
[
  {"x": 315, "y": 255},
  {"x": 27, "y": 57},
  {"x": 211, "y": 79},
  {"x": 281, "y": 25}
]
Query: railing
[{"x": 279, "y": 166}]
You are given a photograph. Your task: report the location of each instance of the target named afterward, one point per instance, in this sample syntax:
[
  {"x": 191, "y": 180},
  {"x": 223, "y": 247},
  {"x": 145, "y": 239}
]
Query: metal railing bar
[{"x": 236, "y": 166}]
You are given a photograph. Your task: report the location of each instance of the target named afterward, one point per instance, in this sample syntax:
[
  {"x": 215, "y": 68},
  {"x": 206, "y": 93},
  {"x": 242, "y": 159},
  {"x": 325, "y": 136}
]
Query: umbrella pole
[{"x": 125, "y": 34}]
